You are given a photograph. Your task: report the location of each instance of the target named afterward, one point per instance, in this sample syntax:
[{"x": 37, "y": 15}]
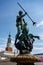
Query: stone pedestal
[{"x": 25, "y": 59}]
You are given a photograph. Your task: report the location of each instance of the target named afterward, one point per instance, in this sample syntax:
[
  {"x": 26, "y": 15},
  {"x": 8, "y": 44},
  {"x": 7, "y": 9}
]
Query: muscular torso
[{"x": 20, "y": 22}]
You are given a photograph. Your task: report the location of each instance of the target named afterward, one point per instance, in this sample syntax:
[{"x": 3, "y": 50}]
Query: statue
[
  {"x": 20, "y": 24},
  {"x": 25, "y": 40}
]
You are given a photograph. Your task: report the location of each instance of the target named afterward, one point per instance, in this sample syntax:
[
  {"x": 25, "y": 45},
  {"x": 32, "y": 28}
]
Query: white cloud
[
  {"x": 13, "y": 41},
  {"x": 39, "y": 24},
  {"x": 3, "y": 45},
  {"x": 41, "y": 35},
  {"x": 35, "y": 44},
  {"x": 3, "y": 40},
  {"x": 2, "y": 49},
  {"x": 35, "y": 48}
]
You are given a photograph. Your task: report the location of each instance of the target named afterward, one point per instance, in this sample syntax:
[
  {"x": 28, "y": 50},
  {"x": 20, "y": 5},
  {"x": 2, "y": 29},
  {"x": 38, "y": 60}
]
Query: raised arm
[{"x": 23, "y": 14}]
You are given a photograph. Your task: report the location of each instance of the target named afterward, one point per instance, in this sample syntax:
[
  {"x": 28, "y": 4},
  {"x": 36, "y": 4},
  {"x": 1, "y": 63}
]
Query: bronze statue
[{"x": 25, "y": 39}]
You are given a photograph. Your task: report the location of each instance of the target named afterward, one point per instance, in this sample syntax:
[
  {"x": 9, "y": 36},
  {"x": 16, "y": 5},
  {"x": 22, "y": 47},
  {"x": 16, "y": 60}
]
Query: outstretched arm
[
  {"x": 36, "y": 37},
  {"x": 33, "y": 36},
  {"x": 24, "y": 14}
]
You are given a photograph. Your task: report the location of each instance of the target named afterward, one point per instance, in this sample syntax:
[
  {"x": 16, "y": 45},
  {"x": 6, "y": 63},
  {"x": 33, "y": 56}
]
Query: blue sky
[{"x": 8, "y": 12}]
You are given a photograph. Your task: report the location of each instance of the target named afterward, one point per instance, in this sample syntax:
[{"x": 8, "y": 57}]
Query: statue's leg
[{"x": 20, "y": 51}]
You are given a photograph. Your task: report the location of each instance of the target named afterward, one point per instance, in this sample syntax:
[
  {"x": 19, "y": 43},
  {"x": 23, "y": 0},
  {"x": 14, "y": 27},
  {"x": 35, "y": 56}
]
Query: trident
[{"x": 27, "y": 14}]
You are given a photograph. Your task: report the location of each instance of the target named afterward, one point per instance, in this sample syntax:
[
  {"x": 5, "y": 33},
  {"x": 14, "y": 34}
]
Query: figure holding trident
[
  {"x": 26, "y": 14},
  {"x": 20, "y": 24},
  {"x": 22, "y": 33}
]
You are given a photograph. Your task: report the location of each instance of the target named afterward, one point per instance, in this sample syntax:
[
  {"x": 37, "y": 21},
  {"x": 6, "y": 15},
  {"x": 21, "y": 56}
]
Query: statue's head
[{"x": 20, "y": 12}]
